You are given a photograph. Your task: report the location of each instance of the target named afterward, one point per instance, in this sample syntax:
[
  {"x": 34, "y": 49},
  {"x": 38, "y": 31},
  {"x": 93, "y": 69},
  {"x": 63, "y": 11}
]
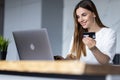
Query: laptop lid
[{"x": 33, "y": 44}]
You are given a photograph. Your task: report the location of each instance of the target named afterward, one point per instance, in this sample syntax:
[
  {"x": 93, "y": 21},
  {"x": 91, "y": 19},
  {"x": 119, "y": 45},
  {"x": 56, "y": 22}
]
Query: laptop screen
[{"x": 33, "y": 44}]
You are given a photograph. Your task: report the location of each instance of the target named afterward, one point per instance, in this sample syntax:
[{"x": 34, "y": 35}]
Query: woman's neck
[{"x": 94, "y": 28}]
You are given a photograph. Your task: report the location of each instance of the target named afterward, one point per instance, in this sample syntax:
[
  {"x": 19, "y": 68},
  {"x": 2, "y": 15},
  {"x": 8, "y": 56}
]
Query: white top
[{"x": 105, "y": 42}]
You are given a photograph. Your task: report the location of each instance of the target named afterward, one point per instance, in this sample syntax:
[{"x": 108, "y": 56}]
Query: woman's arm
[{"x": 100, "y": 56}]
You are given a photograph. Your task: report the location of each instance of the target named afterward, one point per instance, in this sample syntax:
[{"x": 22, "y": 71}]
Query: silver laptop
[{"x": 33, "y": 44}]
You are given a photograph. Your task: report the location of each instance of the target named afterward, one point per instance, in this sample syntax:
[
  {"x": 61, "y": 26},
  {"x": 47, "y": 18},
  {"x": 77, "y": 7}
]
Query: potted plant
[{"x": 3, "y": 47}]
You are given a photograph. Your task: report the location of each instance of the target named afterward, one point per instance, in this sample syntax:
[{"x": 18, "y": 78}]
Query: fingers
[{"x": 89, "y": 42}]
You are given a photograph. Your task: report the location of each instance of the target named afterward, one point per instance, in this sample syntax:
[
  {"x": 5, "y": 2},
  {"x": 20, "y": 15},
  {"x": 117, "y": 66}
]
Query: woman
[{"x": 95, "y": 51}]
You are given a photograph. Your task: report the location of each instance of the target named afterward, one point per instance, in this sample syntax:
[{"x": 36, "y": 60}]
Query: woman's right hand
[{"x": 89, "y": 42}]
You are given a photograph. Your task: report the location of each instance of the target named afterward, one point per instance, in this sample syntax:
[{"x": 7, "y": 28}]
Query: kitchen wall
[{"x": 20, "y": 15}]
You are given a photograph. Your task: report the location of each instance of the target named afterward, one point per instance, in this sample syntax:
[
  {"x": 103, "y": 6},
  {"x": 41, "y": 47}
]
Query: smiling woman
[
  {"x": 84, "y": 16},
  {"x": 96, "y": 51}
]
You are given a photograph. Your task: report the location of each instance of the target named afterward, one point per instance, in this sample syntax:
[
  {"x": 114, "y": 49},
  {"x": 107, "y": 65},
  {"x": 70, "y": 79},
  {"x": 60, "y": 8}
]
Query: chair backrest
[{"x": 116, "y": 59}]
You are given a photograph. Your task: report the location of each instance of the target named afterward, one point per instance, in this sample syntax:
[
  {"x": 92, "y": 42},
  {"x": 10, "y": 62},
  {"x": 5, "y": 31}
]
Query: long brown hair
[{"x": 78, "y": 46}]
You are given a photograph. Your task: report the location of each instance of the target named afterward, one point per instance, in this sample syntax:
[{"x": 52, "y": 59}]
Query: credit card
[{"x": 89, "y": 34}]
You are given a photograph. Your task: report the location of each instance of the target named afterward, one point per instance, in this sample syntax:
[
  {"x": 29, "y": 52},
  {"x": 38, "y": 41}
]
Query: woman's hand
[
  {"x": 71, "y": 57},
  {"x": 91, "y": 43},
  {"x": 100, "y": 56}
]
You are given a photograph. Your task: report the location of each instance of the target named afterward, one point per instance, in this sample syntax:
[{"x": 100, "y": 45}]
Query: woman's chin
[{"x": 84, "y": 27}]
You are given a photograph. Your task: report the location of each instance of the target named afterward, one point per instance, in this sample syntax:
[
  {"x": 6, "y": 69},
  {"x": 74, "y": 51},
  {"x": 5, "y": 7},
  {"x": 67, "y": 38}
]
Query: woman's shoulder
[{"x": 108, "y": 30}]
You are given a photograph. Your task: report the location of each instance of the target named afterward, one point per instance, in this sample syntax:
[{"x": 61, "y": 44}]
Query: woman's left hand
[{"x": 89, "y": 42}]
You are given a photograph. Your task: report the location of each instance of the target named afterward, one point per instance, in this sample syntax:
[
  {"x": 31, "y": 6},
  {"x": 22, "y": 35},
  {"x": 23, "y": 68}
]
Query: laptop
[{"x": 33, "y": 44}]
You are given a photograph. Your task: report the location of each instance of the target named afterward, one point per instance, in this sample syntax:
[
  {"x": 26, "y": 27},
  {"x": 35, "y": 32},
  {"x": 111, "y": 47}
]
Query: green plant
[{"x": 3, "y": 44}]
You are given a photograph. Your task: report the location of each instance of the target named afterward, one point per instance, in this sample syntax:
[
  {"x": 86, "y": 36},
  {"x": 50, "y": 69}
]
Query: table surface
[{"x": 59, "y": 67}]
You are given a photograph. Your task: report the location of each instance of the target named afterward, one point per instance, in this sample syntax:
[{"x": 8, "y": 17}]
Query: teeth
[{"x": 83, "y": 24}]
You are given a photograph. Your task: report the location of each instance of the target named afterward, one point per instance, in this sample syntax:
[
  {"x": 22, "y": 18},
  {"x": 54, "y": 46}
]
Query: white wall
[{"x": 20, "y": 15}]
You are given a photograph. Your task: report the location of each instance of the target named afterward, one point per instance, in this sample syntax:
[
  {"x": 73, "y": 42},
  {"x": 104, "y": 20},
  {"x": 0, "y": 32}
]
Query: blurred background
[{"x": 56, "y": 16}]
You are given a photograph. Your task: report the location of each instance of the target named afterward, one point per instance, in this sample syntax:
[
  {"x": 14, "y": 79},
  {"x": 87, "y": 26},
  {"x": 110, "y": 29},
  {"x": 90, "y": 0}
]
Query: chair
[{"x": 116, "y": 59}]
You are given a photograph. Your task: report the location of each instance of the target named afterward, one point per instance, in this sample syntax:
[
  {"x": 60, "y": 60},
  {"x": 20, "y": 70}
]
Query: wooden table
[{"x": 58, "y": 69}]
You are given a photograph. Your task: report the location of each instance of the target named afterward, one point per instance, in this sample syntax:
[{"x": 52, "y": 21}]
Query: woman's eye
[{"x": 84, "y": 14}]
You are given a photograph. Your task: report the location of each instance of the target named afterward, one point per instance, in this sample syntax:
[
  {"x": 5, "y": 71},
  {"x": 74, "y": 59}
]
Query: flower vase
[{"x": 3, "y": 55}]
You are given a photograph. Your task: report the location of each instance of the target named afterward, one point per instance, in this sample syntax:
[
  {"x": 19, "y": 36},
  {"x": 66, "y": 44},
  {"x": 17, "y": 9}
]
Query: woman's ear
[{"x": 94, "y": 14}]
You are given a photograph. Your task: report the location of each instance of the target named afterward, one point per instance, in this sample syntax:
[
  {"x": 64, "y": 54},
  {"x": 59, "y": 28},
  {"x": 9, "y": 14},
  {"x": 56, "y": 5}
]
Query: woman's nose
[{"x": 80, "y": 19}]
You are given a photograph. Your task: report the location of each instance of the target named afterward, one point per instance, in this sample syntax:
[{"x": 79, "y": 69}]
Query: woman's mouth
[{"x": 83, "y": 23}]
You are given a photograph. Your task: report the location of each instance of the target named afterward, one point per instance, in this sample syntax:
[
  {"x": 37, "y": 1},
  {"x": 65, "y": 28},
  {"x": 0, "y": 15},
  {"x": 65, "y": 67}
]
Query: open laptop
[{"x": 33, "y": 44}]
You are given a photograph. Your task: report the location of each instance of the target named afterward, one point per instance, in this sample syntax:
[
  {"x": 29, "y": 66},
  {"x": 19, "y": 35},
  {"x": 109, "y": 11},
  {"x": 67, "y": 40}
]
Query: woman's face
[{"x": 85, "y": 17}]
